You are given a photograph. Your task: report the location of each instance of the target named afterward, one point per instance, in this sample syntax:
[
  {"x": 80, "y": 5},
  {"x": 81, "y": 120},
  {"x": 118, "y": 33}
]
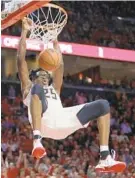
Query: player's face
[{"x": 43, "y": 78}]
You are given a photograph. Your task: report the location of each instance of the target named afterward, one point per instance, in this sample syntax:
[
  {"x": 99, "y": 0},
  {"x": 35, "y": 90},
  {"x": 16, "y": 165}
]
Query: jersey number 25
[{"x": 50, "y": 93}]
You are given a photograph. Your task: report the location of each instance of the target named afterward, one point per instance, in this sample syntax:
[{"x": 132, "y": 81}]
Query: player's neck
[{"x": 40, "y": 83}]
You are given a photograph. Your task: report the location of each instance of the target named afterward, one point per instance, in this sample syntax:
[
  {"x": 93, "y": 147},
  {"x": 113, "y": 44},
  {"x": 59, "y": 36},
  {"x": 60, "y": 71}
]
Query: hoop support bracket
[{"x": 22, "y": 12}]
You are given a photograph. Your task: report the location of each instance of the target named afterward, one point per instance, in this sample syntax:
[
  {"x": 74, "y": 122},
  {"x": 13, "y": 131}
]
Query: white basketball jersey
[
  {"x": 56, "y": 122},
  {"x": 52, "y": 99}
]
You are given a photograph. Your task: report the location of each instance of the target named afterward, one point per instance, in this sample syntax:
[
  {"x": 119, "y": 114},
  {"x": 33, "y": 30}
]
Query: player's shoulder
[{"x": 26, "y": 90}]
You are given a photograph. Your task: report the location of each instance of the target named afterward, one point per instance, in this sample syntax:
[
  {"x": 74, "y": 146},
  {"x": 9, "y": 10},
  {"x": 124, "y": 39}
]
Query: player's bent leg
[
  {"x": 100, "y": 110},
  {"x": 38, "y": 107}
]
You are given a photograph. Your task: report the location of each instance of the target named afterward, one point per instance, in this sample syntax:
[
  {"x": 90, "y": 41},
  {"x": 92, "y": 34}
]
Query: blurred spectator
[
  {"x": 80, "y": 98},
  {"x": 11, "y": 93},
  {"x": 125, "y": 127}
]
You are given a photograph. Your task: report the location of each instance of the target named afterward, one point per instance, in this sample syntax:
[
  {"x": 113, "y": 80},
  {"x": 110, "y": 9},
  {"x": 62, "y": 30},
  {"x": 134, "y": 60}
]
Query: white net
[{"x": 48, "y": 22}]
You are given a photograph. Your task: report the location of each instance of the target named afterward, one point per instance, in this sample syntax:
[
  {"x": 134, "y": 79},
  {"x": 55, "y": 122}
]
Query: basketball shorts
[{"x": 61, "y": 123}]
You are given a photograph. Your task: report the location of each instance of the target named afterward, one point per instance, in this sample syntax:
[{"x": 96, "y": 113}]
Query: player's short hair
[{"x": 35, "y": 73}]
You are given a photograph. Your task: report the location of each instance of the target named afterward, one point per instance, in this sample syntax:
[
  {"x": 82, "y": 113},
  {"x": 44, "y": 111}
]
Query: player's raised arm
[
  {"x": 58, "y": 73},
  {"x": 21, "y": 63}
]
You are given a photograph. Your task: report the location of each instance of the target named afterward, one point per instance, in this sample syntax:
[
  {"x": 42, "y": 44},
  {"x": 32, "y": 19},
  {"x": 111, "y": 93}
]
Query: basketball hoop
[
  {"x": 47, "y": 22},
  {"x": 48, "y": 19}
]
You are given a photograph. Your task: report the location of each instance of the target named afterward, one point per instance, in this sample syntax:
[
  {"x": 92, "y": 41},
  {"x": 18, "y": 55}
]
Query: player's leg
[
  {"x": 104, "y": 131},
  {"x": 37, "y": 107},
  {"x": 100, "y": 110}
]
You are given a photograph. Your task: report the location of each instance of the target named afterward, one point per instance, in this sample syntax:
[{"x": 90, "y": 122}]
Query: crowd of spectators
[
  {"x": 123, "y": 84},
  {"x": 75, "y": 156},
  {"x": 96, "y": 23},
  {"x": 100, "y": 23}
]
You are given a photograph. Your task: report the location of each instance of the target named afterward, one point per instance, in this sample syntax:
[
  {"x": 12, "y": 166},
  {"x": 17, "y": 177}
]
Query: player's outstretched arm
[
  {"x": 21, "y": 63},
  {"x": 58, "y": 73}
]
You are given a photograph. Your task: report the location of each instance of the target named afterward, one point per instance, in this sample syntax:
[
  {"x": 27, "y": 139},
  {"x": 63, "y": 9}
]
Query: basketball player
[{"x": 47, "y": 116}]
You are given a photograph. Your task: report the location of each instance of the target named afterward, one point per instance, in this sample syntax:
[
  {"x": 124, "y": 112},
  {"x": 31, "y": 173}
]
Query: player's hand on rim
[{"x": 26, "y": 24}]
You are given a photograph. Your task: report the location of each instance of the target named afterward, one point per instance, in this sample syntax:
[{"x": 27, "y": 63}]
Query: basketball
[{"x": 49, "y": 59}]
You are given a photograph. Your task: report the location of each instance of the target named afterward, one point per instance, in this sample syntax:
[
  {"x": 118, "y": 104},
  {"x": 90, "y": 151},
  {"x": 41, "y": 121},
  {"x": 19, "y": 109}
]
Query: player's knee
[
  {"x": 93, "y": 110},
  {"x": 39, "y": 91},
  {"x": 104, "y": 106}
]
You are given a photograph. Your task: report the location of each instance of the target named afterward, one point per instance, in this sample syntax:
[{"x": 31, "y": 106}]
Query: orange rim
[
  {"x": 53, "y": 25},
  {"x": 56, "y": 7}
]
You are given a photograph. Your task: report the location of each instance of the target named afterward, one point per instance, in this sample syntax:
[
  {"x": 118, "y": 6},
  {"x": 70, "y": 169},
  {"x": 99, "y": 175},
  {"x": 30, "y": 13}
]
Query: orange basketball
[{"x": 49, "y": 59}]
